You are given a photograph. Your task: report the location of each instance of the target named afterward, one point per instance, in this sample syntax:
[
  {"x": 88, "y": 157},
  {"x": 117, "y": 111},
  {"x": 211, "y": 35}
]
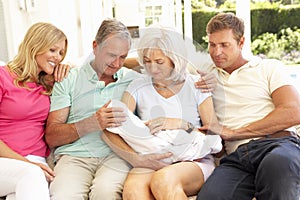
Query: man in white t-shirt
[{"x": 259, "y": 104}]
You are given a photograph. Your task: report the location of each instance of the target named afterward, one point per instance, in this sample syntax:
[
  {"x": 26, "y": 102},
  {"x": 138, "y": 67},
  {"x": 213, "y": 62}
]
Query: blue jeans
[{"x": 267, "y": 169}]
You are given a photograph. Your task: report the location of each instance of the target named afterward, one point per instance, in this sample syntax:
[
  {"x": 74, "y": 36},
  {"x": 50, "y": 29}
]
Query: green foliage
[
  {"x": 285, "y": 45},
  {"x": 229, "y": 4},
  {"x": 200, "y": 19},
  {"x": 265, "y": 20},
  {"x": 287, "y": 2},
  {"x": 264, "y": 43},
  {"x": 264, "y": 5},
  {"x": 273, "y": 19},
  {"x": 271, "y": 32},
  {"x": 289, "y": 39},
  {"x": 203, "y": 4}
]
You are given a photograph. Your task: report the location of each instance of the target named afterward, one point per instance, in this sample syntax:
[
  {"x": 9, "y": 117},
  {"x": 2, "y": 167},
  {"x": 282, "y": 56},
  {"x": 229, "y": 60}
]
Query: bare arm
[
  {"x": 208, "y": 115},
  {"x": 210, "y": 123},
  {"x": 7, "y": 152},
  {"x": 286, "y": 114},
  {"x": 129, "y": 101},
  {"x": 58, "y": 132},
  {"x": 121, "y": 148}
]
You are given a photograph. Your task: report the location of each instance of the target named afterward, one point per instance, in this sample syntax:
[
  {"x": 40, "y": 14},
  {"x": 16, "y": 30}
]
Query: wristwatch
[{"x": 190, "y": 127}]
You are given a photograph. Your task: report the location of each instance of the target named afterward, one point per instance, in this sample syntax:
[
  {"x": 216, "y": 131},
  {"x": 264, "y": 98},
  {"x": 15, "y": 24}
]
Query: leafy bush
[
  {"x": 284, "y": 45},
  {"x": 264, "y": 43},
  {"x": 289, "y": 39},
  {"x": 264, "y": 5}
]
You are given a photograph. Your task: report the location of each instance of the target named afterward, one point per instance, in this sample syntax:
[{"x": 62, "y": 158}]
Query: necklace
[{"x": 164, "y": 87}]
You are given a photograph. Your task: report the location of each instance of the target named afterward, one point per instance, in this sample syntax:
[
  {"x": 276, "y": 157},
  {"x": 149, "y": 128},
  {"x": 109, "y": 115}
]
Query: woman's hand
[
  {"x": 49, "y": 173},
  {"x": 163, "y": 123},
  {"x": 61, "y": 71}
]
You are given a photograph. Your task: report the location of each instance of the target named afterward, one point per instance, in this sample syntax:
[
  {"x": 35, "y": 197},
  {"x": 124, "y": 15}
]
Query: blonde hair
[
  {"x": 39, "y": 38},
  {"x": 170, "y": 42}
]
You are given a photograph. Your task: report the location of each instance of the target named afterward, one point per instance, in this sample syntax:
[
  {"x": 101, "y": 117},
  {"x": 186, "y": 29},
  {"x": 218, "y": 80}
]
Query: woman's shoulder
[
  {"x": 6, "y": 80},
  {"x": 4, "y": 72},
  {"x": 192, "y": 78}
]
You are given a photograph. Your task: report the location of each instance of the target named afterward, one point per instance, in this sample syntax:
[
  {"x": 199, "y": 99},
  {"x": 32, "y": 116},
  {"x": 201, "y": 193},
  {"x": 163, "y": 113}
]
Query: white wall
[
  {"x": 3, "y": 39},
  {"x": 78, "y": 19},
  {"x": 129, "y": 12}
]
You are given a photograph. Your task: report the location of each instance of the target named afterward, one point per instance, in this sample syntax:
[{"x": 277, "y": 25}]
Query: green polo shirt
[{"x": 85, "y": 94}]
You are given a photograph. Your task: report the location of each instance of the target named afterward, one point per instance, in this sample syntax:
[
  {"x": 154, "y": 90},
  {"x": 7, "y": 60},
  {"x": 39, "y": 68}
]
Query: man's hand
[
  {"x": 207, "y": 82},
  {"x": 109, "y": 117}
]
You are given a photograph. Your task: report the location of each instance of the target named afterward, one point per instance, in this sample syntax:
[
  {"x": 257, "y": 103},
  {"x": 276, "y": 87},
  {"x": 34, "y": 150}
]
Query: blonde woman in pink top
[{"x": 25, "y": 85}]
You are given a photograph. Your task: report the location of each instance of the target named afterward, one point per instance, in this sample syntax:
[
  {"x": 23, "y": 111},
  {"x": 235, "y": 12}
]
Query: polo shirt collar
[
  {"x": 118, "y": 74},
  {"x": 90, "y": 72},
  {"x": 253, "y": 62}
]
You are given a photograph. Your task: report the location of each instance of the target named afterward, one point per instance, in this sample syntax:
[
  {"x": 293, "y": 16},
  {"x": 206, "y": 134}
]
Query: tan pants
[{"x": 80, "y": 178}]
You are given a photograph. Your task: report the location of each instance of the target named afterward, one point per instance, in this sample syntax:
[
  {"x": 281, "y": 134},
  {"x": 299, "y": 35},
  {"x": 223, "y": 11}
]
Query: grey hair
[
  {"x": 170, "y": 42},
  {"x": 112, "y": 27}
]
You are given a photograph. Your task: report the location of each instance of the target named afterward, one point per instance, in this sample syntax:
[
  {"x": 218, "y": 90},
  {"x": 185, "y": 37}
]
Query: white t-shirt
[{"x": 150, "y": 105}]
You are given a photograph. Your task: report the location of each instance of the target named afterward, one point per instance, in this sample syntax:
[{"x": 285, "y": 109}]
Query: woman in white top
[{"x": 167, "y": 100}]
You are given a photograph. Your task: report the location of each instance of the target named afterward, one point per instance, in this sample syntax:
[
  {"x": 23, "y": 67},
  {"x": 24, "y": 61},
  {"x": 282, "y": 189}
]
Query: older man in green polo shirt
[{"x": 86, "y": 168}]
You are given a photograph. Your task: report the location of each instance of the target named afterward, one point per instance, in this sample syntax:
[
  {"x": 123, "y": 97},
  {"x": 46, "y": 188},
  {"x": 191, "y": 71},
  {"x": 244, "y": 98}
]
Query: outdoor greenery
[
  {"x": 275, "y": 26},
  {"x": 284, "y": 46},
  {"x": 229, "y": 4}
]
